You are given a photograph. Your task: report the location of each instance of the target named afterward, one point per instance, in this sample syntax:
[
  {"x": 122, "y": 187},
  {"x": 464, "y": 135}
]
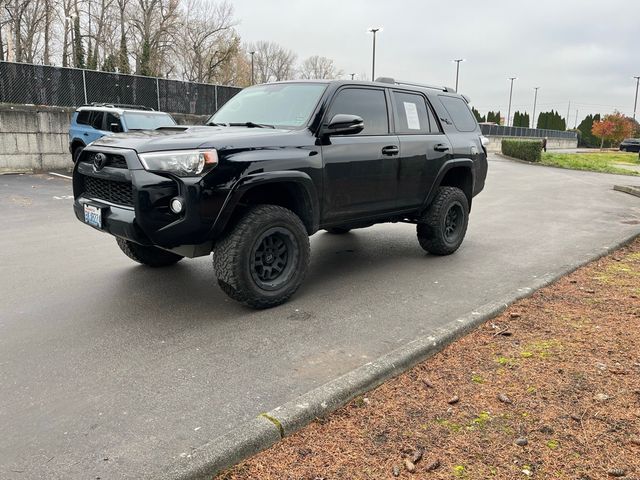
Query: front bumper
[{"x": 135, "y": 202}]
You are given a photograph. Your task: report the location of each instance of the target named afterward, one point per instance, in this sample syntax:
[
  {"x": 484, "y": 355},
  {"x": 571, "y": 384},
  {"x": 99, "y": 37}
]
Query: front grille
[
  {"x": 113, "y": 161},
  {"x": 120, "y": 193}
]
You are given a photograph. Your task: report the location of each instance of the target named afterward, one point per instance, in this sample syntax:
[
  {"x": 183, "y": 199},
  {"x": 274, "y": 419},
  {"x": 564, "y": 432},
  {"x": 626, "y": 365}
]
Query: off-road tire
[
  {"x": 238, "y": 264},
  {"x": 146, "y": 255},
  {"x": 337, "y": 230},
  {"x": 434, "y": 229}
]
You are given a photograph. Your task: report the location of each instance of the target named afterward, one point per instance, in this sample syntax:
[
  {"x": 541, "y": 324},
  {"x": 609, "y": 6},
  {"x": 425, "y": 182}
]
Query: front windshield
[
  {"x": 147, "y": 121},
  {"x": 287, "y": 105}
]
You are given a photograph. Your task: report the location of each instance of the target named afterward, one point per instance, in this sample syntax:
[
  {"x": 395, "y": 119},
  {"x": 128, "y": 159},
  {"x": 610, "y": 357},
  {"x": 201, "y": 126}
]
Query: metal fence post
[
  {"x": 158, "y": 92},
  {"x": 84, "y": 84}
]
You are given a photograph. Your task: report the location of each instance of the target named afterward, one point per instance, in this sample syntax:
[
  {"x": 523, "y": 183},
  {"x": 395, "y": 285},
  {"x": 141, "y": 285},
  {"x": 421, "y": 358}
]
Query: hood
[{"x": 183, "y": 138}]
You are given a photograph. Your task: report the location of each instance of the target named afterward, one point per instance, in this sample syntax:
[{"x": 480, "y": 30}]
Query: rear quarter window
[{"x": 460, "y": 114}]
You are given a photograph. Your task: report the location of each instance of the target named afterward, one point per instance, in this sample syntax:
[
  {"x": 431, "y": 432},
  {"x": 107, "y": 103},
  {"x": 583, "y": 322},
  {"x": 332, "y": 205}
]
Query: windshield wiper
[
  {"x": 251, "y": 125},
  {"x": 214, "y": 124}
]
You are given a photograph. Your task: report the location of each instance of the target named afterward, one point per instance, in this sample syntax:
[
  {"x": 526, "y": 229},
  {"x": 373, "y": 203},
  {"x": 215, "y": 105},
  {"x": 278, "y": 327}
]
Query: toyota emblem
[{"x": 99, "y": 161}]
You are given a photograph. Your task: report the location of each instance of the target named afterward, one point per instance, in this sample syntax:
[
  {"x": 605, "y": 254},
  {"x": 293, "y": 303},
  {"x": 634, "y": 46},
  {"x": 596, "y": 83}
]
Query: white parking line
[{"x": 60, "y": 175}]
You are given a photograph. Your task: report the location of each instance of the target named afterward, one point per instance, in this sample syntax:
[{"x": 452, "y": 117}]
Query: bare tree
[
  {"x": 208, "y": 41},
  {"x": 156, "y": 23},
  {"x": 272, "y": 62},
  {"x": 319, "y": 67}
]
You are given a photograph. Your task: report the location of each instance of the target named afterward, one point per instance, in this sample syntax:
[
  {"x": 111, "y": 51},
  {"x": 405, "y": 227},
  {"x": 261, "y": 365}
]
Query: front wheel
[
  {"x": 262, "y": 261},
  {"x": 442, "y": 227},
  {"x": 150, "y": 256}
]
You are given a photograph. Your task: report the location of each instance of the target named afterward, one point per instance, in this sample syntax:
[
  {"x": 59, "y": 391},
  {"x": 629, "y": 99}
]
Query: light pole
[
  {"x": 510, "y": 97},
  {"x": 252, "y": 54},
  {"x": 352, "y": 75},
  {"x": 635, "y": 103},
  {"x": 458, "y": 60},
  {"x": 535, "y": 100},
  {"x": 373, "y": 65}
]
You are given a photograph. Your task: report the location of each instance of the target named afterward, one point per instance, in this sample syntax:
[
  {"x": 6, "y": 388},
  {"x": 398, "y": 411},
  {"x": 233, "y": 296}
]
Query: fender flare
[
  {"x": 248, "y": 182},
  {"x": 446, "y": 166}
]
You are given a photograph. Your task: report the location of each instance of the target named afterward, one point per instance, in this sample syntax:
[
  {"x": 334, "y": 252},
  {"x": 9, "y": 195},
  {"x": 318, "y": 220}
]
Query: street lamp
[
  {"x": 510, "y": 96},
  {"x": 458, "y": 60},
  {"x": 635, "y": 103},
  {"x": 535, "y": 100},
  {"x": 352, "y": 75},
  {"x": 252, "y": 54},
  {"x": 373, "y": 66}
]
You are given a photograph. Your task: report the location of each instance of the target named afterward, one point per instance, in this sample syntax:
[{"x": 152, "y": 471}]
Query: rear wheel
[
  {"x": 338, "y": 230},
  {"x": 151, "y": 256},
  {"x": 442, "y": 227},
  {"x": 262, "y": 261}
]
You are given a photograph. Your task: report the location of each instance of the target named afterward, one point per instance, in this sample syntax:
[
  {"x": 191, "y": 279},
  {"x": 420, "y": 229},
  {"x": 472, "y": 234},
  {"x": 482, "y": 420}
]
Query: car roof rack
[
  {"x": 119, "y": 105},
  {"x": 393, "y": 81}
]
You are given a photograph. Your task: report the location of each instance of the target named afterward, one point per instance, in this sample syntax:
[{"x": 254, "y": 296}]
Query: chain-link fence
[
  {"x": 503, "y": 131},
  {"x": 22, "y": 83}
]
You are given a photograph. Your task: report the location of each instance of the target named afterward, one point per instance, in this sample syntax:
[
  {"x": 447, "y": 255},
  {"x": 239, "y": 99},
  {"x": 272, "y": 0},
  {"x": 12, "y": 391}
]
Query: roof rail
[
  {"x": 414, "y": 84},
  {"x": 119, "y": 105}
]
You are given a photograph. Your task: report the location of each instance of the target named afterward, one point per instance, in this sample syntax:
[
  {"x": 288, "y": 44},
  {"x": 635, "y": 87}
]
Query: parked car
[
  {"x": 91, "y": 122},
  {"x": 630, "y": 145},
  {"x": 277, "y": 163}
]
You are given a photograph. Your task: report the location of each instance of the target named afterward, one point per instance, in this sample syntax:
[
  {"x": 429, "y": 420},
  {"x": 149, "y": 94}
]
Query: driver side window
[{"x": 368, "y": 103}]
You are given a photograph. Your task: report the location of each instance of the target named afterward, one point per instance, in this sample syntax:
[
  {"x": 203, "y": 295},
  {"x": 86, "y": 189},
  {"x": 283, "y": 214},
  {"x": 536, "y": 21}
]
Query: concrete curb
[
  {"x": 630, "y": 189},
  {"x": 262, "y": 432}
]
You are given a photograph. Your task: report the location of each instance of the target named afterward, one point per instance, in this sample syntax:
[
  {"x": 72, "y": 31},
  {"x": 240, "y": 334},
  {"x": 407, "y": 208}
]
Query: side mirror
[
  {"x": 115, "y": 127},
  {"x": 344, "y": 124}
]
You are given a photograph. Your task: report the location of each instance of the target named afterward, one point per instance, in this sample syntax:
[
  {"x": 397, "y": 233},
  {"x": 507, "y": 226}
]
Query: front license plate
[{"x": 93, "y": 215}]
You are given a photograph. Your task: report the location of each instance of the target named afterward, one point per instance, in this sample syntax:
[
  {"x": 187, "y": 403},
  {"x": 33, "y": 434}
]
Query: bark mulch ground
[{"x": 549, "y": 389}]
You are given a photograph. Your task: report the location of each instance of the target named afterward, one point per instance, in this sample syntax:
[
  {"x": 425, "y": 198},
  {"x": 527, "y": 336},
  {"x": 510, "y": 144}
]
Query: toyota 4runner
[{"x": 279, "y": 162}]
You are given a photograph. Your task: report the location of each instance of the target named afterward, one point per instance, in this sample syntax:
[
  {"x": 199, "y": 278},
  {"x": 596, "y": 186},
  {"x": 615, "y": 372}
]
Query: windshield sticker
[{"x": 411, "y": 111}]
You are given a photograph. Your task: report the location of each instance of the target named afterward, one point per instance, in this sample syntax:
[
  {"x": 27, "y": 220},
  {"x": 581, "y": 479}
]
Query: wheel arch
[
  {"x": 457, "y": 173},
  {"x": 290, "y": 189}
]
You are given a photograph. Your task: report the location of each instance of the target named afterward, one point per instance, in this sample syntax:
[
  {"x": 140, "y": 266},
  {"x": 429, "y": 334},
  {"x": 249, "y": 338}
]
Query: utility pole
[
  {"x": 510, "y": 97},
  {"x": 535, "y": 101},
  {"x": 252, "y": 75},
  {"x": 575, "y": 125},
  {"x": 458, "y": 60},
  {"x": 373, "y": 64},
  {"x": 635, "y": 103},
  {"x": 568, "y": 110}
]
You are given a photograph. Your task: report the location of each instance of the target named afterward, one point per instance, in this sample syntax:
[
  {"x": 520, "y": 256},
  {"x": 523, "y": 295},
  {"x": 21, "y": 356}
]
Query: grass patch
[{"x": 595, "y": 162}]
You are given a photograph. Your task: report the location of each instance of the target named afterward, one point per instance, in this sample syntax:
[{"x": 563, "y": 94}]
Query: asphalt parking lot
[{"x": 109, "y": 369}]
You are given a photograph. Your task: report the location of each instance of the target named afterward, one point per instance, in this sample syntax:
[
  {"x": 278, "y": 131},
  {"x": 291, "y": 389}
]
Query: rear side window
[
  {"x": 370, "y": 104},
  {"x": 83, "y": 117},
  {"x": 410, "y": 113},
  {"x": 96, "y": 120},
  {"x": 462, "y": 117}
]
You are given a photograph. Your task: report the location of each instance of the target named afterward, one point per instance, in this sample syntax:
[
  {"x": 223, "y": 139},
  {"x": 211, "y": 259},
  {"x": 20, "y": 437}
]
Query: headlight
[
  {"x": 184, "y": 163},
  {"x": 484, "y": 140}
]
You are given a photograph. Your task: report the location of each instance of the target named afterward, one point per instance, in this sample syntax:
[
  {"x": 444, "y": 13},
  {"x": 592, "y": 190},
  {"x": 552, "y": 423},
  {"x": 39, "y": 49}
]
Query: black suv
[
  {"x": 279, "y": 162},
  {"x": 630, "y": 145}
]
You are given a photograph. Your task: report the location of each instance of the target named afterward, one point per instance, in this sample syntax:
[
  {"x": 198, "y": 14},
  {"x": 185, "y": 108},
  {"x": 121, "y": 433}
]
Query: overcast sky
[{"x": 582, "y": 51}]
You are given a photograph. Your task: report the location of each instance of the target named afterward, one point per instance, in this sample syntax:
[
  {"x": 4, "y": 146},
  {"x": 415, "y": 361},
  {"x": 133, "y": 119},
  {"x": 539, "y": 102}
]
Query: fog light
[{"x": 176, "y": 205}]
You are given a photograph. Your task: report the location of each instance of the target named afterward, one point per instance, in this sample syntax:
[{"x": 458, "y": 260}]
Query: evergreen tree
[
  {"x": 78, "y": 48},
  {"x": 123, "y": 56},
  {"x": 145, "y": 60},
  {"x": 476, "y": 114},
  {"x": 109, "y": 64},
  {"x": 587, "y": 139}
]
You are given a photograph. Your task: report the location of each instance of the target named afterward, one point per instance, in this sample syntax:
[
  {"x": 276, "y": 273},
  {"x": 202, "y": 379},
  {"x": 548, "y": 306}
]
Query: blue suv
[{"x": 90, "y": 122}]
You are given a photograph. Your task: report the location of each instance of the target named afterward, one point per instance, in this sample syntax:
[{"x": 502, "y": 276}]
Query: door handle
[
  {"x": 441, "y": 147},
  {"x": 390, "y": 150},
  {"x": 85, "y": 134}
]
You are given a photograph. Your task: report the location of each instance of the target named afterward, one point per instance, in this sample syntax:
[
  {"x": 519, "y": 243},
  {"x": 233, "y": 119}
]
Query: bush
[{"x": 529, "y": 150}]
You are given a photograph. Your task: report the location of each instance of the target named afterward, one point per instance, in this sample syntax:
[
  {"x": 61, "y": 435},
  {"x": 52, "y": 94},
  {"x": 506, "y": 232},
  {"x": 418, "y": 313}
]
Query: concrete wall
[
  {"x": 37, "y": 138},
  {"x": 495, "y": 142}
]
